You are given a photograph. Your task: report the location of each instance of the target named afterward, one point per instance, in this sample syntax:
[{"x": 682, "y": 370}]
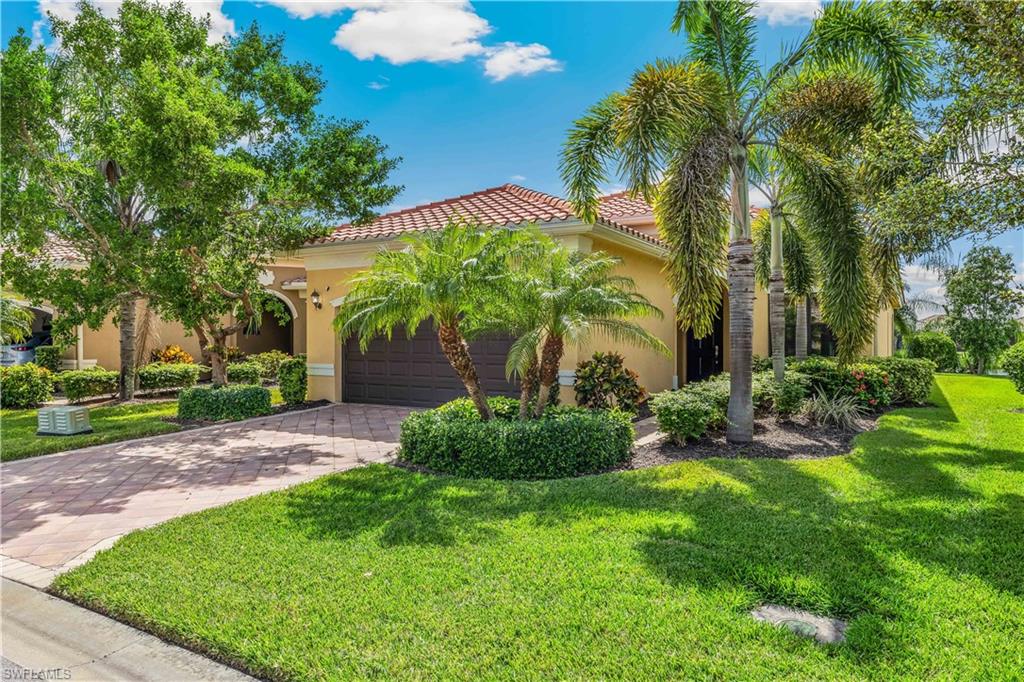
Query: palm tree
[
  {"x": 15, "y": 321},
  {"x": 684, "y": 130},
  {"x": 445, "y": 275},
  {"x": 567, "y": 297}
]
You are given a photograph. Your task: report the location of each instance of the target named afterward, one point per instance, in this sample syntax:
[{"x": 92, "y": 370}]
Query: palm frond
[
  {"x": 589, "y": 147},
  {"x": 721, "y": 33},
  {"x": 693, "y": 220}
]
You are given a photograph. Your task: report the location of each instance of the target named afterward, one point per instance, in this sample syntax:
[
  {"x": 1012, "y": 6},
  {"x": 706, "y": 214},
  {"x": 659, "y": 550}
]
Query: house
[{"x": 411, "y": 370}]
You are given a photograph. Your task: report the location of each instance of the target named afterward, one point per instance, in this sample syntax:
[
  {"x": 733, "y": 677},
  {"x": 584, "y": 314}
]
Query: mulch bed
[{"x": 797, "y": 439}]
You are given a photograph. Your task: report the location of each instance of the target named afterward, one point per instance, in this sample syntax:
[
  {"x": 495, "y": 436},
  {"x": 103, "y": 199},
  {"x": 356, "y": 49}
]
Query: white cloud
[
  {"x": 220, "y": 24},
  {"x": 517, "y": 178},
  {"x": 514, "y": 59},
  {"x": 376, "y": 85},
  {"x": 924, "y": 283},
  {"x": 757, "y": 198},
  {"x": 417, "y": 31},
  {"x": 306, "y": 9},
  {"x": 786, "y": 12}
]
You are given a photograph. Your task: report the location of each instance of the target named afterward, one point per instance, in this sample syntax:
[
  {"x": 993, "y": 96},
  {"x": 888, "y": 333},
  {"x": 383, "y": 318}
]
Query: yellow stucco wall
[
  {"x": 656, "y": 371},
  {"x": 323, "y": 355},
  {"x": 761, "y": 325}
]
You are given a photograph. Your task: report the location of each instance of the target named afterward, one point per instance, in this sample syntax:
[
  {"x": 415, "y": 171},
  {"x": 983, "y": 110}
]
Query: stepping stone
[{"x": 804, "y": 623}]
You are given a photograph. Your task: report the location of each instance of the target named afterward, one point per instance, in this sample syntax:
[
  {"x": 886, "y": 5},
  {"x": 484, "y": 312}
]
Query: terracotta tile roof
[
  {"x": 504, "y": 205},
  {"x": 621, "y": 205},
  {"x": 55, "y": 249}
]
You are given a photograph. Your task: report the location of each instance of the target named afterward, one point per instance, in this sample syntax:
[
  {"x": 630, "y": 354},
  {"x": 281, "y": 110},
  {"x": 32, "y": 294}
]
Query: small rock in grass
[{"x": 823, "y": 630}]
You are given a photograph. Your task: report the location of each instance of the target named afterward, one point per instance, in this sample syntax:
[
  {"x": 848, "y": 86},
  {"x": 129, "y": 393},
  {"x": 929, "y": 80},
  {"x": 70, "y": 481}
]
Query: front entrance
[
  {"x": 416, "y": 373},
  {"x": 705, "y": 357}
]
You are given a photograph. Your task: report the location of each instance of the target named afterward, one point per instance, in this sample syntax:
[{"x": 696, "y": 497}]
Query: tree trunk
[
  {"x": 801, "y": 327},
  {"x": 126, "y": 323},
  {"x": 740, "y": 428},
  {"x": 527, "y": 384},
  {"x": 456, "y": 350},
  {"x": 777, "y": 301},
  {"x": 218, "y": 368},
  {"x": 550, "y": 358}
]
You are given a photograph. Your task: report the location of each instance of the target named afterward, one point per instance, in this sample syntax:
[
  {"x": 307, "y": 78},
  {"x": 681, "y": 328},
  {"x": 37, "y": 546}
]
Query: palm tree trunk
[
  {"x": 550, "y": 358},
  {"x": 741, "y": 304},
  {"x": 126, "y": 326},
  {"x": 801, "y": 327},
  {"x": 528, "y": 383},
  {"x": 455, "y": 348},
  {"x": 777, "y": 301}
]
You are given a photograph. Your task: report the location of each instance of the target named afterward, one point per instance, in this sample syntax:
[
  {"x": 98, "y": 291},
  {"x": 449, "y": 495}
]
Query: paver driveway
[{"x": 59, "y": 509}]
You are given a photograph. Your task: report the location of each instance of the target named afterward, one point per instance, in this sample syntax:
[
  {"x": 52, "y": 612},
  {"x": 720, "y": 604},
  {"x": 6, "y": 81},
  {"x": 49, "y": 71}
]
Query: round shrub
[
  {"x": 244, "y": 373},
  {"x": 216, "y": 403},
  {"x": 1013, "y": 364},
  {"x": 867, "y": 383},
  {"x": 683, "y": 415},
  {"x": 269, "y": 363},
  {"x": 49, "y": 357},
  {"x": 171, "y": 355},
  {"x": 163, "y": 375},
  {"x": 603, "y": 382},
  {"x": 292, "y": 376},
  {"x": 934, "y": 346},
  {"x": 24, "y": 386},
  {"x": 715, "y": 391},
  {"x": 789, "y": 396},
  {"x": 566, "y": 441},
  {"x": 910, "y": 378},
  {"x": 79, "y": 384}
]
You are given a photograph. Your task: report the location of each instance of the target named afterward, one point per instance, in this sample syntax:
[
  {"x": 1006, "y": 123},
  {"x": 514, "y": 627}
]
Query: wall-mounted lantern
[{"x": 315, "y": 298}]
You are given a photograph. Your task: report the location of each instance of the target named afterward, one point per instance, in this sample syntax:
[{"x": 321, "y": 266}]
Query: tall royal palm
[{"x": 682, "y": 133}]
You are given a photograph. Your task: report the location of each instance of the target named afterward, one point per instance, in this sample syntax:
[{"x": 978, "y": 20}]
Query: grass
[
  {"x": 18, "y": 438},
  {"x": 916, "y": 537}
]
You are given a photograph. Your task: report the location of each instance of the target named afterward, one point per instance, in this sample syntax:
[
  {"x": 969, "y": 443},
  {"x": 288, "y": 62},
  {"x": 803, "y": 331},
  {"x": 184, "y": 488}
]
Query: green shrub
[
  {"x": 206, "y": 403},
  {"x": 292, "y": 376},
  {"x": 244, "y": 373},
  {"x": 171, "y": 355},
  {"x": 868, "y": 383},
  {"x": 158, "y": 375},
  {"x": 24, "y": 386},
  {"x": 910, "y": 378},
  {"x": 1013, "y": 364},
  {"x": 762, "y": 390},
  {"x": 564, "y": 442},
  {"x": 684, "y": 415},
  {"x": 841, "y": 410},
  {"x": 789, "y": 396},
  {"x": 602, "y": 382},
  {"x": 79, "y": 384},
  {"x": 934, "y": 346},
  {"x": 269, "y": 363},
  {"x": 715, "y": 391},
  {"x": 49, "y": 357},
  {"x": 761, "y": 364}
]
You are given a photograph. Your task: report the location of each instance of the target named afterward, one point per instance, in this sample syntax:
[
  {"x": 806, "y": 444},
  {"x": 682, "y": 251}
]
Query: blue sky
[{"x": 473, "y": 95}]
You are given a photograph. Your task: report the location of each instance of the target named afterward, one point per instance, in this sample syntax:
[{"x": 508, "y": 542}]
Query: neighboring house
[{"x": 313, "y": 282}]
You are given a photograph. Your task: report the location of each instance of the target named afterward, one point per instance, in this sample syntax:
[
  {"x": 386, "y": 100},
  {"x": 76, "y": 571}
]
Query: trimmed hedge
[
  {"x": 25, "y": 386},
  {"x": 566, "y": 441},
  {"x": 269, "y": 363},
  {"x": 157, "y": 375},
  {"x": 291, "y": 375},
  {"x": 49, "y": 357},
  {"x": 911, "y": 378},
  {"x": 244, "y": 373},
  {"x": 1013, "y": 364},
  {"x": 934, "y": 346},
  {"x": 215, "y": 403},
  {"x": 868, "y": 383},
  {"x": 685, "y": 415},
  {"x": 79, "y": 384}
]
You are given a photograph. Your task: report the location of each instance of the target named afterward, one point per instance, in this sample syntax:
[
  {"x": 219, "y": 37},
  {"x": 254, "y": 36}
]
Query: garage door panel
[{"x": 415, "y": 372}]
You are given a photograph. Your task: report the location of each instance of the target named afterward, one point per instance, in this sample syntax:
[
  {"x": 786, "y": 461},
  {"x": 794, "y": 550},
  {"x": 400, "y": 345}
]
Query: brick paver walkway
[{"x": 59, "y": 510}]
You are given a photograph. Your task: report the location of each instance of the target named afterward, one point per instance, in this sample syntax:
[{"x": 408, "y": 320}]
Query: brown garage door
[{"x": 414, "y": 372}]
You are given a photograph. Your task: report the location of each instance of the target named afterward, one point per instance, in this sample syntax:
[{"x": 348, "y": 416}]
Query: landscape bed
[{"x": 915, "y": 538}]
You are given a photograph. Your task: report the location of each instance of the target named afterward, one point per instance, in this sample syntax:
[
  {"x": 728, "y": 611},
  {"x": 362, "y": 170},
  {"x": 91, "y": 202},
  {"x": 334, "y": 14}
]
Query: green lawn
[
  {"x": 917, "y": 537},
  {"x": 18, "y": 438}
]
